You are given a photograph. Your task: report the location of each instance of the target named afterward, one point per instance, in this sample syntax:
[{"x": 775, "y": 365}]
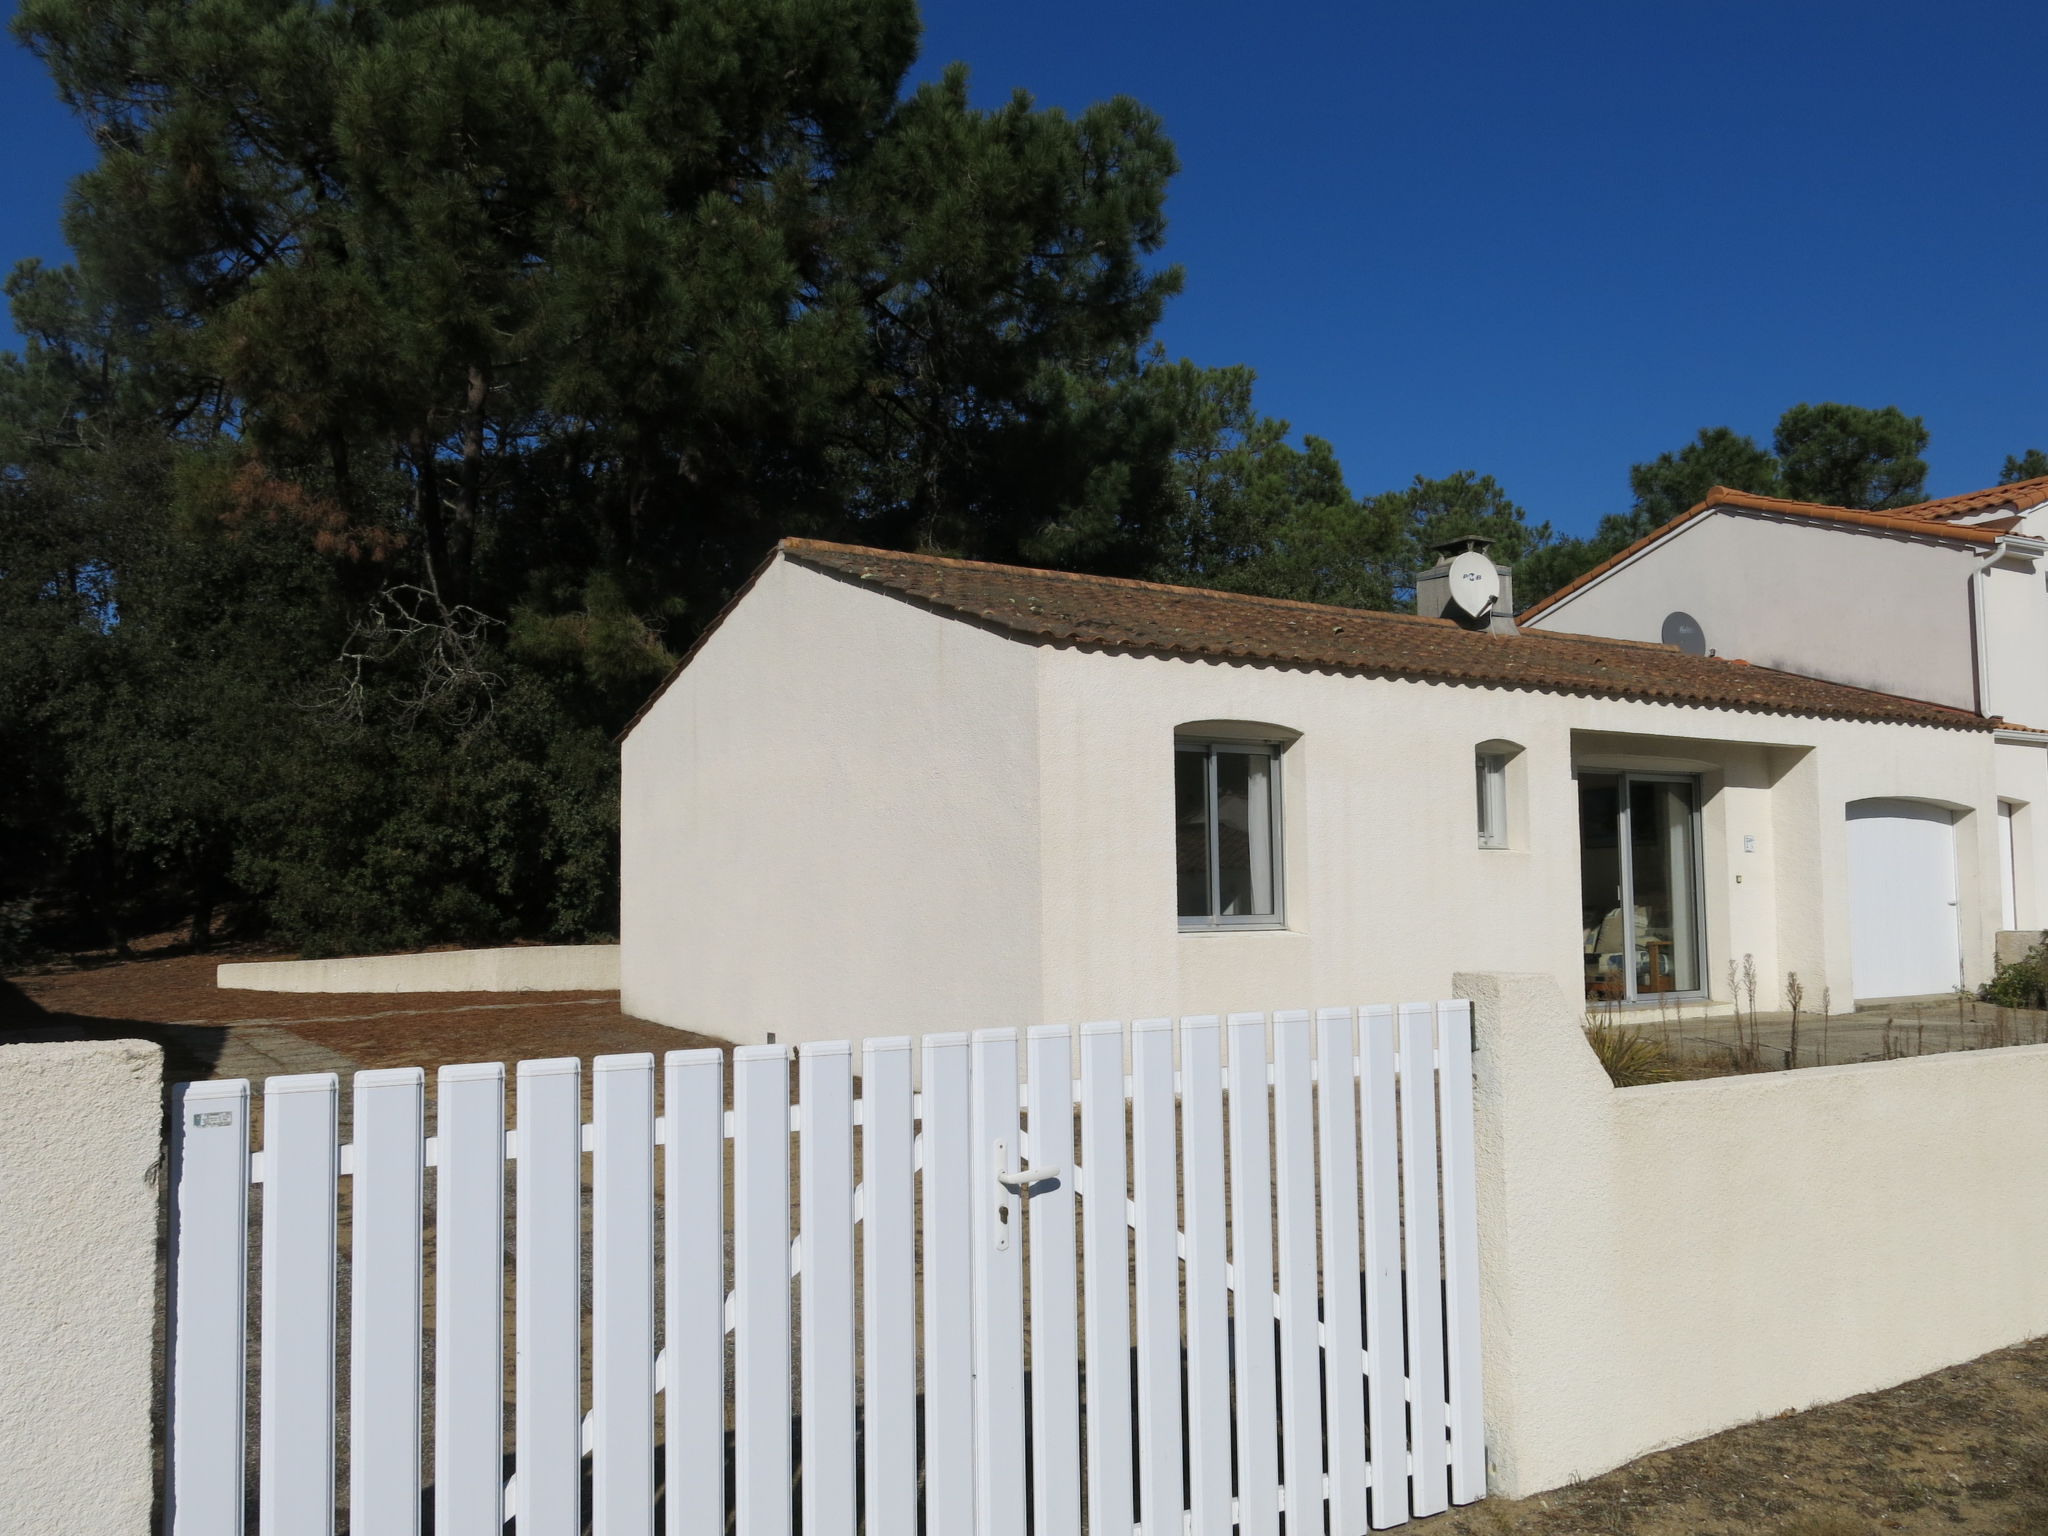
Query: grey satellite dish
[
  {"x": 1683, "y": 631},
  {"x": 1474, "y": 584}
]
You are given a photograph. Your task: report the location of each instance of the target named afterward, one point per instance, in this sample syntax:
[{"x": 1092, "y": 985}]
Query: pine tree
[{"x": 483, "y": 349}]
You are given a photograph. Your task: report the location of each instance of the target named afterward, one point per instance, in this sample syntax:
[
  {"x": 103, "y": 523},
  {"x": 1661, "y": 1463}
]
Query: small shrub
[
  {"x": 2022, "y": 984},
  {"x": 1631, "y": 1057}
]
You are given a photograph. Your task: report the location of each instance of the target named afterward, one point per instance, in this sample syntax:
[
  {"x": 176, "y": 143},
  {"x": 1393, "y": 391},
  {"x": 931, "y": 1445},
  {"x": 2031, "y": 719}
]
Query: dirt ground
[
  {"x": 208, "y": 1032},
  {"x": 1693, "y": 1043},
  {"x": 1962, "y": 1451}
]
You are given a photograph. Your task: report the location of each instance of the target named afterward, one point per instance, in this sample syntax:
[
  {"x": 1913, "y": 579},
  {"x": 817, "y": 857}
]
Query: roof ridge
[
  {"x": 1119, "y": 614},
  {"x": 952, "y": 562}
]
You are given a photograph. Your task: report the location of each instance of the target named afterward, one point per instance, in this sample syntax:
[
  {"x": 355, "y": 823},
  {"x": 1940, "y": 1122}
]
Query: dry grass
[{"x": 1630, "y": 1056}]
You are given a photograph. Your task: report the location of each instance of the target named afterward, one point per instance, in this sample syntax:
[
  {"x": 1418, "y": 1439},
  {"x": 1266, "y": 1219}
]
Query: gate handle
[
  {"x": 1020, "y": 1182},
  {"x": 1016, "y": 1183}
]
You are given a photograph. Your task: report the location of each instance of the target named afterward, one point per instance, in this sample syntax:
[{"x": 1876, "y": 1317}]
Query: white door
[{"x": 1902, "y": 899}]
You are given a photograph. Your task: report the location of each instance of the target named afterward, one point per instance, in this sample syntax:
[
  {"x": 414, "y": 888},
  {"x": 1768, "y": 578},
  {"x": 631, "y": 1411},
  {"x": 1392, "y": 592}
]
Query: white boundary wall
[
  {"x": 81, "y": 1135},
  {"x": 526, "y": 968},
  {"x": 1661, "y": 1263}
]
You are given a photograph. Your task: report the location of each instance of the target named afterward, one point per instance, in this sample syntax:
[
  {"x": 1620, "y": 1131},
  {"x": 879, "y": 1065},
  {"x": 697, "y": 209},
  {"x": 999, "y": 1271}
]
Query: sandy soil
[
  {"x": 208, "y": 1032},
  {"x": 1962, "y": 1451}
]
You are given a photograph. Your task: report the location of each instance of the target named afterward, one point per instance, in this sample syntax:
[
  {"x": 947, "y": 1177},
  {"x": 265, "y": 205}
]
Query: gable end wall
[
  {"x": 1874, "y": 610},
  {"x": 837, "y": 800}
]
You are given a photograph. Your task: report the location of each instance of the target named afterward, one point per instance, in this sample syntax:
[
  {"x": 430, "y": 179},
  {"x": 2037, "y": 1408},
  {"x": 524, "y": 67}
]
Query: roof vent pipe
[{"x": 1467, "y": 586}]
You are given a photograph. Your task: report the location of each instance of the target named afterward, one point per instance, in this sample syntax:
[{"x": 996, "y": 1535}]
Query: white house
[
  {"x": 893, "y": 794},
  {"x": 1946, "y": 601}
]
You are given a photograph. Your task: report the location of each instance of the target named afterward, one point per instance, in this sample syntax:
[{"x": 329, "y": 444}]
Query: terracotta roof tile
[
  {"x": 2020, "y": 496},
  {"x": 1722, "y": 496},
  {"x": 1057, "y": 607}
]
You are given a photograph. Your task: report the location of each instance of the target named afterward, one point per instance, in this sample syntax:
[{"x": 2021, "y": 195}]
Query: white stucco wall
[
  {"x": 525, "y": 968},
  {"x": 2016, "y": 628},
  {"x": 1661, "y": 1263},
  {"x": 1874, "y": 609},
  {"x": 830, "y": 824},
  {"x": 853, "y": 817},
  {"x": 2023, "y": 782},
  {"x": 1388, "y": 893},
  {"x": 81, "y": 1128}
]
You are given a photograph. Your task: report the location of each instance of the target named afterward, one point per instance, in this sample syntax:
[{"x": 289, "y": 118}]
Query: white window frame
[
  {"x": 1273, "y": 752},
  {"x": 1491, "y": 773}
]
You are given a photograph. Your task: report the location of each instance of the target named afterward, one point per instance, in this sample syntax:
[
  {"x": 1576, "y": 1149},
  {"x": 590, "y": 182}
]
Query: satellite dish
[
  {"x": 1683, "y": 630},
  {"x": 1474, "y": 584}
]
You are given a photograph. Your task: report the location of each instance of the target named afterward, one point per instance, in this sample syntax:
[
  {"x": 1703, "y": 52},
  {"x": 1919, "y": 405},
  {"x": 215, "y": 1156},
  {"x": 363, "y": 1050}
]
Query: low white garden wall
[
  {"x": 527, "y": 968},
  {"x": 1661, "y": 1263},
  {"x": 81, "y": 1137}
]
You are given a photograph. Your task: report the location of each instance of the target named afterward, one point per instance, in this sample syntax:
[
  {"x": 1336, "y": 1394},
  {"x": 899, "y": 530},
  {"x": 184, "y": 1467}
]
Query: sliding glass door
[{"x": 1639, "y": 882}]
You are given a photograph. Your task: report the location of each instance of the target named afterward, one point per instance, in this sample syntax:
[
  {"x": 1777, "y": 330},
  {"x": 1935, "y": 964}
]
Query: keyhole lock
[{"x": 1017, "y": 1185}]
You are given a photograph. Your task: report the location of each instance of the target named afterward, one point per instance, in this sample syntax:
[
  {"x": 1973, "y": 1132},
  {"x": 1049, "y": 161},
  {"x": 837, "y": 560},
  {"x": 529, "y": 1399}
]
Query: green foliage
[
  {"x": 1248, "y": 512},
  {"x": 2023, "y": 983},
  {"x": 396, "y": 426},
  {"x": 1673, "y": 483},
  {"x": 1429, "y": 511},
  {"x": 1850, "y": 456},
  {"x": 2031, "y": 465}
]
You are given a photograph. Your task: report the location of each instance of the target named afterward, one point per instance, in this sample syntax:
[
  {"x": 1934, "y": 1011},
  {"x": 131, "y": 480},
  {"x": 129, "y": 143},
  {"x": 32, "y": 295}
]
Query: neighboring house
[
  {"x": 1946, "y": 601},
  {"x": 894, "y": 794}
]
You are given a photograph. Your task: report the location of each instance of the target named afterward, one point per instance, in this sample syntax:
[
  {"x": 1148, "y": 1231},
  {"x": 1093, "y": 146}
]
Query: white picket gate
[{"x": 1024, "y": 1292}]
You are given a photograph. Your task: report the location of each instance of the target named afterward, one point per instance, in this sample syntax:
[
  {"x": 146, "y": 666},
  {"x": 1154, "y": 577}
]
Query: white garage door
[{"x": 1902, "y": 899}]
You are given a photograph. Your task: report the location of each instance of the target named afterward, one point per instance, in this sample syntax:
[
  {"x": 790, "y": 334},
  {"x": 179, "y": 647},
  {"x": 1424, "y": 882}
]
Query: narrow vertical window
[
  {"x": 2008, "y": 868},
  {"x": 1493, "y": 799},
  {"x": 1227, "y": 834}
]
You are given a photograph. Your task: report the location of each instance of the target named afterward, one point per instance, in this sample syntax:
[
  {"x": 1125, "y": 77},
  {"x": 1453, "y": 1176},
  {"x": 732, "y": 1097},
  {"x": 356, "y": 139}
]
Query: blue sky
[{"x": 1540, "y": 241}]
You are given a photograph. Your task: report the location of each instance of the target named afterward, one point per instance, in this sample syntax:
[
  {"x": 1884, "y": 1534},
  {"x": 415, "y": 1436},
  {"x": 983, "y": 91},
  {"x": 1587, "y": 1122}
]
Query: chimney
[{"x": 1433, "y": 588}]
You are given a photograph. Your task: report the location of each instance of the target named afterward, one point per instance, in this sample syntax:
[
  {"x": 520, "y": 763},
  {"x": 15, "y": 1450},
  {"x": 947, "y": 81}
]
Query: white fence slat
[
  {"x": 693, "y": 1280},
  {"x": 1208, "y": 1257},
  {"x": 1276, "y": 1271},
  {"x": 386, "y": 1196},
  {"x": 1343, "y": 1335},
  {"x": 1251, "y": 1232},
  {"x": 209, "y": 1307},
  {"x": 889, "y": 1263},
  {"x": 825, "y": 1227},
  {"x": 998, "y": 1220},
  {"x": 469, "y": 1300},
  {"x": 760, "y": 1291},
  {"x": 1427, "y": 1417},
  {"x": 1105, "y": 1262},
  {"x": 300, "y": 1163},
  {"x": 1461, "y": 1251},
  {"x": 1055, "y": 1363},
  {"x": 548, "y": 1300},
  {"x": 622, "y": 1295},
  {"x": 1386, "y": 1366},
  {"x": 1294, "y": 1190},
  {"x": 948, "y": 1265},
  {"x": 1154, "y": 1158}
]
